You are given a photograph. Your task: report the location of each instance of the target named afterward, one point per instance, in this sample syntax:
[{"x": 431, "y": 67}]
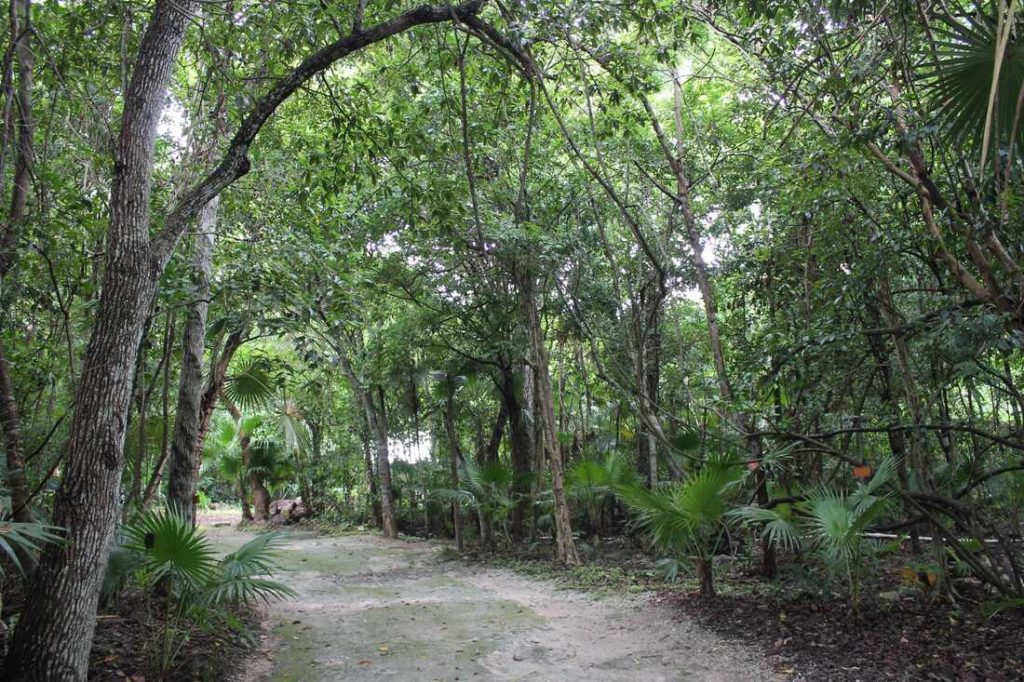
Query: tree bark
[
  {"x": 565, "y": 544},
  {"x": 454, "y": 456},
  {"x": 185, "y": 457},
  {"x": 706, "y": 576},
  {"x": 371, "y": 485},
  {"x": 215, "y": 381},
  {"x": 521, "y": 446},
  {"x": 54, "y": 635},
  {"x": 376, "y": 422},
  {"x": 10, "y": 419}
]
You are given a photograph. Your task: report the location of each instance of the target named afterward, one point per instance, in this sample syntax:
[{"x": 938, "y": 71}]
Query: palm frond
[
  {"x": 779, "y": 526},
  {"x": 171, "y": 546},
  {"x": 959, "y": 79},
  {"x": 251, "y": 385},
  {"x": 25, "y": 538}
]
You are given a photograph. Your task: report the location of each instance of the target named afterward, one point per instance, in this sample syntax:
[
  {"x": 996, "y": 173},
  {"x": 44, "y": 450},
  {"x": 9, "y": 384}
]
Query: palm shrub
[
  {"x": 832, "y": 524},
  {"x": 19, "y": 539},
  {"x": 592, "y": 483},
  {"x": 486, "y": 489},
  {"x": 172, "y": 555},
  {"x": 689, "y": 518}
]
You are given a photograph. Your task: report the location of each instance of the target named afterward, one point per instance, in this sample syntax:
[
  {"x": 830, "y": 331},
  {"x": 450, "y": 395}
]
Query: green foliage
[
  {"x": 833, "y": 524},
  {"x": 173, "y": 549},
  {"x": 19, "y": 539},
  {"x": 165, "y": 550},
  {"x": 486, "y": 489},
  {"x": 689, "y": 518},
  {"x": 593, "y": 483},
  {"x": 252, "y": 384},
  {"x": 960, "y": 78}
]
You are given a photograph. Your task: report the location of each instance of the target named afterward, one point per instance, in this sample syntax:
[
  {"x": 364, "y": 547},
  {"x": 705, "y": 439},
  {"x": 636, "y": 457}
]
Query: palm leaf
[
  {"x": 172, "y": 547},
  {"x": 959, "y": 79},
  {"x": 251, "y": 385}
]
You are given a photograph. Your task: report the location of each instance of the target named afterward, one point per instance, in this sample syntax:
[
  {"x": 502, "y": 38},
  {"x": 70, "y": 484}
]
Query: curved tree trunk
[
  {"x": 54, "y": 635},
  {"x": 185, "y": 456}
]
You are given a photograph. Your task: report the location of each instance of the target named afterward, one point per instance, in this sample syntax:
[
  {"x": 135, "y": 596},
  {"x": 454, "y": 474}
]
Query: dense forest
[{"x": 730, "y": 277}]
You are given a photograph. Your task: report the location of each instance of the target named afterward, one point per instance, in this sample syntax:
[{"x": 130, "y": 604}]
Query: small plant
[
  {"x": 174, "y": 557},
  {"x": 689, "y": 518},
  {"x": 593, "y": 482},
  {"x": 19, "y": 540},
  {"x": 486, "y": 489},
  {"x": 832, "y": 523}
]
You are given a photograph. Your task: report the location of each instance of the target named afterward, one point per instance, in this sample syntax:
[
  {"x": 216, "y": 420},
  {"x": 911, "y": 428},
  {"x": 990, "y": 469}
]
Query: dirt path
[{"x": 372, "y": 609}]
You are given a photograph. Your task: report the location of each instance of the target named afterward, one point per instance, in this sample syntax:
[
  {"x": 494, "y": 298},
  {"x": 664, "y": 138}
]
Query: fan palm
[
  {"x": 689, "y": 518},
  {"x": 485, "y": 488},
  {"x": 22, "y": 539},
  {"x": 832, "y": 523},
  {"x": 593, "y": 483},
  {"x": 168, "y": 550},
  {"x": 972, "y": 53}
]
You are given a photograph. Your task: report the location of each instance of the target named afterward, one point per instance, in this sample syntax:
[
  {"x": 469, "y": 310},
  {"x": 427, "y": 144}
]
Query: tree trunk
[
  {"x": 565, "y": 545},
  {"x": 215, "y": 382},
  {"x": 310, "y": 488},
  {"x": 54, "y": 635},
  {"x": 371, "y": 486},
  {"x": 260, "y": 498},
  {"x": 454, "y": 457},
  {"x": 10, "y": 419},
  {"x": 705, "y": 574},
  {"x": 389, "y": 522},
  {"x": 521, "y": 442},
  {"x": 376, "y": 422},
  {"x": 489, "y": 453},
  {"x": 185, "y": 457},
  {"x": 17, "y": 483}
]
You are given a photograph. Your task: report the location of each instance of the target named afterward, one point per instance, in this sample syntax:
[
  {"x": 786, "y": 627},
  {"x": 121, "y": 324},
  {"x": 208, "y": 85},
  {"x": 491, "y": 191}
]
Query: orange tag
[{"x": 862, "y": 471}]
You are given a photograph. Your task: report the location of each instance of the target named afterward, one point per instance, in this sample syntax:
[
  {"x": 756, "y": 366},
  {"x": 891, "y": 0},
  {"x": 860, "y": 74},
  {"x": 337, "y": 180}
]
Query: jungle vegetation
[{"x": 508, "y": 271}]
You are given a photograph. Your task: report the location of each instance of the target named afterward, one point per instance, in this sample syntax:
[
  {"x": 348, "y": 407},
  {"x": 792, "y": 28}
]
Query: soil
[
  {"x": 127, "y": 645},
  {"x": 370, "y": 608},
  {"x": 907, "y": 638}
]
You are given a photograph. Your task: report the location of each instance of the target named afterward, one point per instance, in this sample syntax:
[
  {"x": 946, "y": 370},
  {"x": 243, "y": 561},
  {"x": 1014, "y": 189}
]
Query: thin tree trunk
[
  {"x": 17, "y": 482},
  {"x": 565, "y": 544},
  {"x": 387, "y": 495},
  {"x": 215, "y": 382},
  {"x": 371, "y": 485},
  {"x": 706, "y": 576},
  {"x": 185, "y": 457},
  {"x": 376, "y": 422},
  {"x": 454, "y": 457},
  {"x": 521, "y": 446},
  {"x": 489, "y": 453},
  {"x": 10, "y": 419}
]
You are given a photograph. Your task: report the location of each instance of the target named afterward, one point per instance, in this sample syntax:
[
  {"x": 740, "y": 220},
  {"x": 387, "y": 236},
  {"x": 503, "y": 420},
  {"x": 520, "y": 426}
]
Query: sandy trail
[{"x": 371, "y": 609}]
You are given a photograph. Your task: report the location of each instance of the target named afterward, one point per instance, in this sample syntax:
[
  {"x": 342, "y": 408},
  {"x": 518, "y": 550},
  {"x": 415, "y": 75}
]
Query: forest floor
[
  {"x": 809, "y": 633},
  {"x": 369, "y": 608}
]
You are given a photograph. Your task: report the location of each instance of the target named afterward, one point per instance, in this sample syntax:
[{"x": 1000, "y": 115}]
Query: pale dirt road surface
[{"x": 375, "y": 609}]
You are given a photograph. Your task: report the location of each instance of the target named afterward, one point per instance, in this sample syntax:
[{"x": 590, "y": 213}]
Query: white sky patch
[
  {"x": 408, "y": 450},
  {"x": 385, "y": 246},
  {"x": 173, "y": 121}
]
